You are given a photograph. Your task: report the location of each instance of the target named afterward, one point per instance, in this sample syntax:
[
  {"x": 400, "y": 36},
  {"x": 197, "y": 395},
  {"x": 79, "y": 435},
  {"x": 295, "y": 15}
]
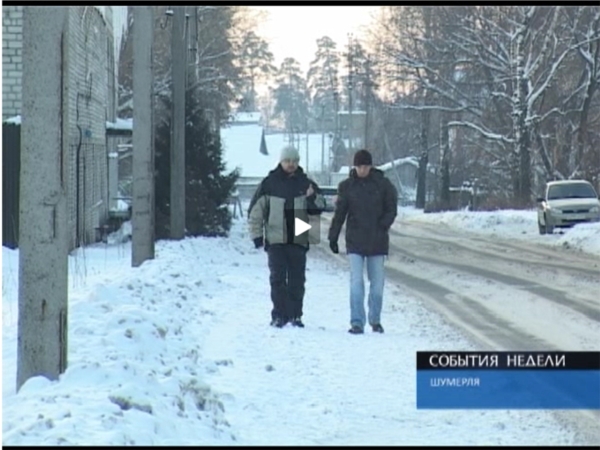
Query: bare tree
[
  {"x": 496, "y": 70},
  {"x": 43, "y": 236},
  {"x": 577, "y": 124},
  {"x": 211, "y": 56}
]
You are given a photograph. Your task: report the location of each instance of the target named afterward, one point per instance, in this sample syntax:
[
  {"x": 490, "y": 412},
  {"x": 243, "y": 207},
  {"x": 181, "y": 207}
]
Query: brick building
[
  {"x": 91, "y": 77},
  {"x": 12, "y": 42}
]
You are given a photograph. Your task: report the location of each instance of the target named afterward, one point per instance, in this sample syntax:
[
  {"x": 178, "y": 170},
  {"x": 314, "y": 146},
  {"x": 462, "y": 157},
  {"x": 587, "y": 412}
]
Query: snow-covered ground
[
  {"x": 179, "y": 352},
  {"x": 517, "y": 225}
]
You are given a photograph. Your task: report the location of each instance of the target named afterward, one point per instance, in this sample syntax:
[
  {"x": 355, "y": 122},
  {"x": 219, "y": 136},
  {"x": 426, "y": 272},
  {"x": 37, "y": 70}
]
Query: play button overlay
[
  {"x": 307, "y": 228},
  {"x": 300, "y": 227}
]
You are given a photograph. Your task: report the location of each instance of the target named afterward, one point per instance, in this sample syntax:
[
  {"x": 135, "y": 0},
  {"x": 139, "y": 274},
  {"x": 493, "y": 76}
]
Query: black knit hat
[{"x": 363, "y": 158}]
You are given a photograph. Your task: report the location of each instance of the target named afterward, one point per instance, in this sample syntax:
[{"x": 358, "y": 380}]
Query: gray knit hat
[{"x": 290, "y": 153}]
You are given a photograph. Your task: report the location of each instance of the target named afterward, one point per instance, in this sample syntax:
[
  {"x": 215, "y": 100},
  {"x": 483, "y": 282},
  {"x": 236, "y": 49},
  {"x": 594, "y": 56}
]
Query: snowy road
[
  {"x": 524, "y": 291},
  {"x": 501, "y": 294},
  {"x": 178, "y": 351}
]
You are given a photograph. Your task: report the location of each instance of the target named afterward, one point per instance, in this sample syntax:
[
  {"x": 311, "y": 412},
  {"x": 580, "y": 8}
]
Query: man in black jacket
[
  {"x": 284, "y": 195},
  {"x": 369, "y": 201}
]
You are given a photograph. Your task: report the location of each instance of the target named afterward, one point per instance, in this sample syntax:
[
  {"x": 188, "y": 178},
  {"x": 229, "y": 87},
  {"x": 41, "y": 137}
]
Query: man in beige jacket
[{"x": 284, "y": 195}]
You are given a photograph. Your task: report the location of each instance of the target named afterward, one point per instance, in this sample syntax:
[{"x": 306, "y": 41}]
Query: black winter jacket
[
  {"x": 278, "y": 201},
  {"x": 370, "y": 206}
]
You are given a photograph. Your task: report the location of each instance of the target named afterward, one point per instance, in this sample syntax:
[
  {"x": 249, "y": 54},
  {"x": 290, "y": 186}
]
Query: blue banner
[{"x": 508, "y": 389}]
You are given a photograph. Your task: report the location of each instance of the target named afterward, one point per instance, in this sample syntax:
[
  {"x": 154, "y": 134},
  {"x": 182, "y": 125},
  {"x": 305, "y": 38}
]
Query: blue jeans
[{"x": 376, "y": 276}]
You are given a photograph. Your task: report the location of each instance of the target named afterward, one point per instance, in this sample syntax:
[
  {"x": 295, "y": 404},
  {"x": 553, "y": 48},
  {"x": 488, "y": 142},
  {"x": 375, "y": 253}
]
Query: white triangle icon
[{"x": 300, "y": 226}]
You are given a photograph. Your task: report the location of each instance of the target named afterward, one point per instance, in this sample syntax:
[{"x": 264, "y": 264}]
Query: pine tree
[
  {"x": 322, "y": 79},
  {"x": 208, "y": 187},
  {"x": 291, "y": 96},
  {"x": 255, "y": 62}
]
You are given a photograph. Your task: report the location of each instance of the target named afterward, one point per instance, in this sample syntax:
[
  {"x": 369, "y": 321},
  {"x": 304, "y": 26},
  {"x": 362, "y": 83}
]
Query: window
[{"x": 574, "y": 190}]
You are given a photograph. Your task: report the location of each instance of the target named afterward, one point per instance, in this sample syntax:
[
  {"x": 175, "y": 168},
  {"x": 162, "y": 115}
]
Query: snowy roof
[
  {"x": 241, "y": 149},
  {"x": 399, "y": 162},
  {"x": 317, "y": 147},
  {"x": 246, "y": 117},
  {"x": 120, "y": 124},
  {"x": 16, "y": 120},
  {"x": 357, "y": 113}
]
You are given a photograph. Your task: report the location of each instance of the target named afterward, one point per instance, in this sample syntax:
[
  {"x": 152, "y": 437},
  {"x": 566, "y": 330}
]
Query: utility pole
[
  {"x": 337, "y": 133},
  {"x": 142, "y": 219},
  {"x": 43, "y": 231},
  {"x": 350, "y": 86},
  {"x": 307, "y": 167},
  {"x": 322, "y": 138},
  {"x": 193, "y": 48},
  {"x": 178, "y": 82},
  {"x": 367, "y": 98},
  {"x": 333, "y": 150},
  {"x": 186, "y": 33}
]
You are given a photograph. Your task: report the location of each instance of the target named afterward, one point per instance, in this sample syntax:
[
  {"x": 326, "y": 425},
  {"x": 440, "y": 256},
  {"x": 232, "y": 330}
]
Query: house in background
[
  {"x": 92, "y": 41},
  {"x": 245, "y": 148},
  {"x": 246, "y": 118},
  {"x": 402, "y": 172},
  {"x": 248, "y": 147}
]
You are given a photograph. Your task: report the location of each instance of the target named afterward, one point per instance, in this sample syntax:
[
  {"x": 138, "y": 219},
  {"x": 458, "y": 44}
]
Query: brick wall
[
  {"x": 90, "y": 78},
  {"x": 89, "y": 103},
  {"x": 12, "y": 25}
]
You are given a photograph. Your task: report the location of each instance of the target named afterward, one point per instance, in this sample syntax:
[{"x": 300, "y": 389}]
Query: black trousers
[{"x": 287, "y": 264}]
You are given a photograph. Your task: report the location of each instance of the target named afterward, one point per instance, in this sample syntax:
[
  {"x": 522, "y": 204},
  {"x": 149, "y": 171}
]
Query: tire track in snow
[
  {"x": 476, "y": 268},
  {"x": 511, "y": 253},
  {"x": 484, "y": 325}
]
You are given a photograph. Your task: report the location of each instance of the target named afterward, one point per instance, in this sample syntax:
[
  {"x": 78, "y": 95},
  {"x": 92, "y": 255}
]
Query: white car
[{"x": 566, "y": 203}]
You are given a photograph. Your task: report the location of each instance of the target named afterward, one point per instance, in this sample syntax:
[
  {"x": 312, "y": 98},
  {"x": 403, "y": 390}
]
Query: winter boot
[
  {"x": 297, "y": 322},
  {"x": 377, "y": 328},
  {"x": 278, "y": 322},
  {"x": 356, "y": 329}
]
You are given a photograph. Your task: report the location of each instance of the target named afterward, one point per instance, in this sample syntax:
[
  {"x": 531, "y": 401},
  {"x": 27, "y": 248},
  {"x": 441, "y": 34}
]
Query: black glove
[
  {"x": 258, "y": 242},
  {"x": 334, "y": 246}
]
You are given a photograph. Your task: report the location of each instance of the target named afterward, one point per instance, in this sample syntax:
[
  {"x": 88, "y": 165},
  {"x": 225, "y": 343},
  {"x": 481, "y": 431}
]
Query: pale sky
[{"x": 293, "y": 30}]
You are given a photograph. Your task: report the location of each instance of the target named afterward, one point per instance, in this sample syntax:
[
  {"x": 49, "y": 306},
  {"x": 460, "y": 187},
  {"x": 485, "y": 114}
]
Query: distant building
[
  {"x": 248, "y": 147},
  {"x": 402, "y": 172},
  {"x": 245, "y": 148},
  {"x": 246, "y": 118}
]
